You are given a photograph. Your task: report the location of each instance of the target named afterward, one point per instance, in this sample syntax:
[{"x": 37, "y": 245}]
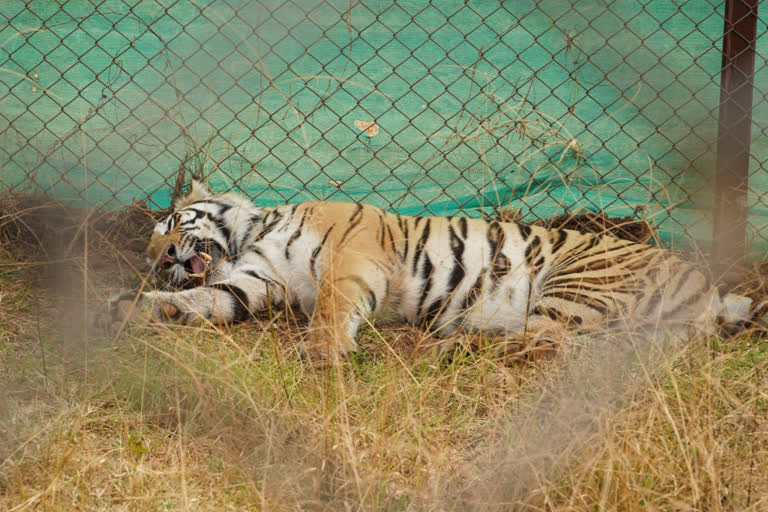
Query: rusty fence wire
[{"x": 423, "y": 107}]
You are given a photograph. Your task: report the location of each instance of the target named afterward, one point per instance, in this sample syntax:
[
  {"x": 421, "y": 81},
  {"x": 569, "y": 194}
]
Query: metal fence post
[{"x": 734, "y": 127}]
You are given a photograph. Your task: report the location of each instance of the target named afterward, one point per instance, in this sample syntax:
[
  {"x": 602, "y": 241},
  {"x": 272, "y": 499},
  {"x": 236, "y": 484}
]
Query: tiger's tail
[{"x": 739, "y": 313}]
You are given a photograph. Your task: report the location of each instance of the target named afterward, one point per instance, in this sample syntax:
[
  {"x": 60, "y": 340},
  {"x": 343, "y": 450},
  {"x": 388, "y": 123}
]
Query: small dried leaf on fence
[{"x": 370, "y": 128}]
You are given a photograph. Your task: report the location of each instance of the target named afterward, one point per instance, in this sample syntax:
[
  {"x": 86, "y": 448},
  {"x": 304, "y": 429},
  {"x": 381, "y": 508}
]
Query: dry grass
[
  {"x": 696, "y": 438},
  {"x": 216, "y": 419},
  {"x": 628, "y": 228}
]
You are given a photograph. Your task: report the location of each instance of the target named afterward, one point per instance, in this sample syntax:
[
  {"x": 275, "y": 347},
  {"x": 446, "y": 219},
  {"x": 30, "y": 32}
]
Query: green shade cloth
[{"x": 538, "y": 106}]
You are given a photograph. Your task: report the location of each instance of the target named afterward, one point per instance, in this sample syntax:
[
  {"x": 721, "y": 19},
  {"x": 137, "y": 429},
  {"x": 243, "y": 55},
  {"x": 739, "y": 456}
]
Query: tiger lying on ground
[{"x": 227, "y": 258}]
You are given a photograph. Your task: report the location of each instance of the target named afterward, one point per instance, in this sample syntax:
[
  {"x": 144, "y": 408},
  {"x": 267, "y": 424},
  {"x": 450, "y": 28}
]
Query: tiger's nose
[{"x": 168, "y": 257}]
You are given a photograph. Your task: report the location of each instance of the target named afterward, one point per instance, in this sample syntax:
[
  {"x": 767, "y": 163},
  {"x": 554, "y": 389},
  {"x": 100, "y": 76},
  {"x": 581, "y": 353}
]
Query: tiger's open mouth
[{"x": 197, "y": 267}]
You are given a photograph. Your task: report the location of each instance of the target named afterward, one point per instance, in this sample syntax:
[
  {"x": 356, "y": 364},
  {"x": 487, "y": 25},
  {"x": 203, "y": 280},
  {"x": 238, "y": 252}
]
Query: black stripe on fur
[{"x": 240, "y": 310}]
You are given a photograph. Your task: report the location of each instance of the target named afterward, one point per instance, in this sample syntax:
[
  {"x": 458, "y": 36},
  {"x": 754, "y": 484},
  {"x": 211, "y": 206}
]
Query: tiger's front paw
[
  {"x": 130, "y": 308},
  {"x": 164, "y": 310},
  {"x": 119, "y": 310},
  {"x": 178, "y": 308}
]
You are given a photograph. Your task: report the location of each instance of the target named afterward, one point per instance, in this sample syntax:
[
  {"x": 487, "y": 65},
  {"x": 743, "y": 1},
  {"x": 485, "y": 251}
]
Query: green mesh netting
[{"x": 540, "y": 106}]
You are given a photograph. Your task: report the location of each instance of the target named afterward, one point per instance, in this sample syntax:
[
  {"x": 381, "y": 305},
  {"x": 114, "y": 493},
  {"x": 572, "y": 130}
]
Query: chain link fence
[{"x": 441, "y": 107}]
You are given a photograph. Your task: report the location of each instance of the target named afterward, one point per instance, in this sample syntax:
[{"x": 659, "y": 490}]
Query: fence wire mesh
[{"x": 422, "y": 107}]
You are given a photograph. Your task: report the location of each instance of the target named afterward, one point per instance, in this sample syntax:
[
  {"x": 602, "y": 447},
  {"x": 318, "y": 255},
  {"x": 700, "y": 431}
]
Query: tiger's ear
[{"x": 197, "y": 192}]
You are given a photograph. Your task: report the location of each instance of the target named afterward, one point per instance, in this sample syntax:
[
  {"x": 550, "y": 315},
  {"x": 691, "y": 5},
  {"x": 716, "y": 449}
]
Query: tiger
[{"x": 221, "y": 259}]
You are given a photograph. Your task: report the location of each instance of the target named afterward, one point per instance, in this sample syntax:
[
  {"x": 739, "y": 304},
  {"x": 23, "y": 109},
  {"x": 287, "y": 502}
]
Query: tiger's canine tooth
[
  {"x": 199, "y": 274},
  {"x": 207, "y": 257}
]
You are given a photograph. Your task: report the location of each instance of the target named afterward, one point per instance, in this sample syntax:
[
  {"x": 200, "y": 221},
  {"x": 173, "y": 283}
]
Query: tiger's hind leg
[
  {"x": 541, "y": 338},
  {"x": 550, "y": 324}
]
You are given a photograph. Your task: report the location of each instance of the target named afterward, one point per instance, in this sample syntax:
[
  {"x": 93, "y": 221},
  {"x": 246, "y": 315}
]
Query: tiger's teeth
[
  {"x": 205, "y": 256},
  {"x": 198, "y": 275}
]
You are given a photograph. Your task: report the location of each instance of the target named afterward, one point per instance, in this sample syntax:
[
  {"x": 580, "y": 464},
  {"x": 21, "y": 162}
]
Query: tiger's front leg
[
  {"x": 220, "y": 303},
  {"x": 233, "y": 300},
  {"x": 344, "y": 301}
]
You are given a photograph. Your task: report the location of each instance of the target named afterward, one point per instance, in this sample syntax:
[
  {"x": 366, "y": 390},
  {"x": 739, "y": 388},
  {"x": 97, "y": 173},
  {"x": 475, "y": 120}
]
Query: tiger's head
[{"x": 189, "y": 245}]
